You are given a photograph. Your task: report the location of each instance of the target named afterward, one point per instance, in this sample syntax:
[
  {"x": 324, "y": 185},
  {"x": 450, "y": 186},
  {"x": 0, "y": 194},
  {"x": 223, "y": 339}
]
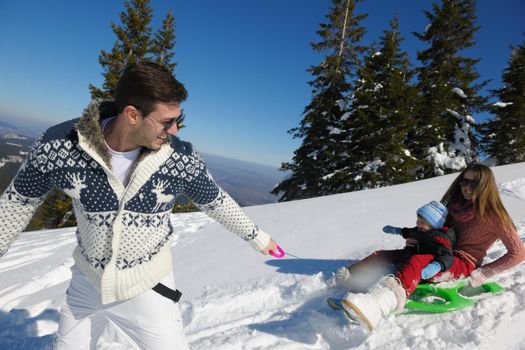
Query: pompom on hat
[{"x": 434, "y": 213}]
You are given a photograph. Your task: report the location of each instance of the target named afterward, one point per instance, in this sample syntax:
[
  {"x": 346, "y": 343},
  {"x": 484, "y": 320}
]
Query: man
[{"x": 123, "y": 168}]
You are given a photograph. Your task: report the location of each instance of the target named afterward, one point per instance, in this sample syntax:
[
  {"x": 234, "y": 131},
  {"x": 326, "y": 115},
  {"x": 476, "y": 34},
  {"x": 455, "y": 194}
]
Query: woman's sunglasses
[{"x": 468, "y": 182}]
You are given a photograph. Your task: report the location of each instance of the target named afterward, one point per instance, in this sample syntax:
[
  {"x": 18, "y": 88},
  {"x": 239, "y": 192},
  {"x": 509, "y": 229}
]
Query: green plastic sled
[{"x": 429, "y": 298}]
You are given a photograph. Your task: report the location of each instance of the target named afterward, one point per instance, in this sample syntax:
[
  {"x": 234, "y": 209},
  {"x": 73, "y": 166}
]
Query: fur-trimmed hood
[{"x": 89, "y": 127}]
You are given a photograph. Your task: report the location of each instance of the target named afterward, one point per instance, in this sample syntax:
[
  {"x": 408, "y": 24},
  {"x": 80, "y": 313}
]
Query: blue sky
[{"x": 243, "y": 61}]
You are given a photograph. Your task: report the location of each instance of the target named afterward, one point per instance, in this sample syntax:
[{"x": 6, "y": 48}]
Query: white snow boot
[{"x": 387, "y": 296}]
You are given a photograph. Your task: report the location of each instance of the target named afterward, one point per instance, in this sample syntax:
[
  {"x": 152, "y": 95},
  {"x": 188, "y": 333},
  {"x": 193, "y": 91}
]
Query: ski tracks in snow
[
  {"x": 278, "y": 312},
  {"x": 38, "y": 265},
  {"x": 514, "y": 188}
]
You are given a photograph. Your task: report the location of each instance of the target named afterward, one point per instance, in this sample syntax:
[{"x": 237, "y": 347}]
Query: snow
[
  {"x": 446, "y": 160},
  {"x": 459, "y": 92},
  {"x": 13, "y": 144},
  {"x": 12, "y": 135},
  {"x": 312, "y": 155},
  {"x": 346, "y": 116},
  {"x": 342, "y": 104},
  {"x": 374, "y": 165},
  {"x": 454, "y": 113},
  {"x": 235, "y": 298},
  {"x": 502, "y": 104},
  {"x": 334, "y": 130},
  {"x": 327, "y": 177}
]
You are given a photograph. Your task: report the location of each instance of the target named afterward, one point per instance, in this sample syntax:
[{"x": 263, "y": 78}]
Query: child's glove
[
  {"x": 431, "y": 270},
  {"x": 392, "y": 230},
  {"x": 476, "y": 278}
]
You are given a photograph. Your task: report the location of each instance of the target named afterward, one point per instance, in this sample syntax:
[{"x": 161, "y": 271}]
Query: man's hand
[{"x": 272, "y": 245}]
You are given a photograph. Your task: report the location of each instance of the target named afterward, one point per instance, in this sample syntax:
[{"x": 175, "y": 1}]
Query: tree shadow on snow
[
  {"x": 18, "y": 330},
  {"x": 308, "y": 266}
]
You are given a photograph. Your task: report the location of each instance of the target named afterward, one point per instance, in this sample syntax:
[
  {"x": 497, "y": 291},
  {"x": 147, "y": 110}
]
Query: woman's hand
[{"x": 476, "y": 278}]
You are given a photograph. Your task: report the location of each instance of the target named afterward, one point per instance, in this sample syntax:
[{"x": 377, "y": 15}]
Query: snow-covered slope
[{"x": 235, "y": 298}]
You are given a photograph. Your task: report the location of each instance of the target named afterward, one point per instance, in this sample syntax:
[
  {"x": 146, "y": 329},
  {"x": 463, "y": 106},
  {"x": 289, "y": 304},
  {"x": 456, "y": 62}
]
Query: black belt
[{"x": 167, "y": 292}]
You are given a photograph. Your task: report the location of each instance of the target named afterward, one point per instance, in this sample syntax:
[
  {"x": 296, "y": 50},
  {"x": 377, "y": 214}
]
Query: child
[
  {"x": 432, "y": 249},
  {"x": 428, "y": 253}
]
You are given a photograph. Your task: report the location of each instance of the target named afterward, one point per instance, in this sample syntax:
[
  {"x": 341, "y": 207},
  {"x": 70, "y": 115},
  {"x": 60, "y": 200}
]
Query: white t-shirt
[{"x": 121, "y": 162}]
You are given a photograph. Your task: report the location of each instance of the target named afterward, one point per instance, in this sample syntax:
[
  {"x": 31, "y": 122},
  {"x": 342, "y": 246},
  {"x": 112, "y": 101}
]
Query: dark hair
[{"x": 142, "y": 85}]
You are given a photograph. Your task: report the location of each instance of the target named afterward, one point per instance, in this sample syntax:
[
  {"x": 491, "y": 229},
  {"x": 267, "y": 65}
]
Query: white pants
[{"x": 147, "y": 322}]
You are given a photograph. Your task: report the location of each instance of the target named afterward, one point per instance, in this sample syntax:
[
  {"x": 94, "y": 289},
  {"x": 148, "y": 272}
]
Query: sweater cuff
[
  {"x": 487, "y": 272},
  {"x": 260, "y": 241}
]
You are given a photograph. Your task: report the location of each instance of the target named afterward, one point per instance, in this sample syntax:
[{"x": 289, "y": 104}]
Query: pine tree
[
  {"x": 135, "y": 44},
  {"x": 377, "y": 126},
  {"x": 321, "y": 124},
  {"x": 164, "y": 43},
  {"x": 504, "y": 136},
  {"x": 56, "y": 211},
  {"x": 443, "y": 133}
]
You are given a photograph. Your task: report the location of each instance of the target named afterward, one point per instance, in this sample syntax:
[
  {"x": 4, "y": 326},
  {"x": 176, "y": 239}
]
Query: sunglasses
[
  {"x": 468, "y": 182},
  {"x": 179, "y": 121},
  {"x": 169, "y": 124}
]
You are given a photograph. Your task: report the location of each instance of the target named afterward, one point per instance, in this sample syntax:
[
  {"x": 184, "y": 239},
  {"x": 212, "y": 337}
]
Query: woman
[{"x": 478, "y": 217}]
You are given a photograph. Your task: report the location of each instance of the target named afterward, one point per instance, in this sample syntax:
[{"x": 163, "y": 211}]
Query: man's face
[{"x": 152, "y": 132}]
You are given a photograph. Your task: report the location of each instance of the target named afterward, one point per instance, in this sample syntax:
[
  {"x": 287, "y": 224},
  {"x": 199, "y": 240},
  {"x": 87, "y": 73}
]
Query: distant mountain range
[
  {"x": 248, "y": 183},
  {"x": 7, "y": 128}
]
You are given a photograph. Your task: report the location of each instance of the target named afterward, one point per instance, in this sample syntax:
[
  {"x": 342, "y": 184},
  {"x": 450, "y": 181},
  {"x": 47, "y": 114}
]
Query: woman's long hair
[{"x": 485, "y": 197}]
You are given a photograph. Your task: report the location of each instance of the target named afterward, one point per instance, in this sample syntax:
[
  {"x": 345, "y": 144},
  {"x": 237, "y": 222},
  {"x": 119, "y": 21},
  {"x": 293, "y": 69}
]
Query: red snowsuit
[
  {"x": 407, "y": 263},
  {"x": 435, "y": 245}
]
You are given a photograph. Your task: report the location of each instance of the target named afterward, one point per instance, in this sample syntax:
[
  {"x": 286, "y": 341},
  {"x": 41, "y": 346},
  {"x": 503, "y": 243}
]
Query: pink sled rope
[{"x": 279, "y": 254}]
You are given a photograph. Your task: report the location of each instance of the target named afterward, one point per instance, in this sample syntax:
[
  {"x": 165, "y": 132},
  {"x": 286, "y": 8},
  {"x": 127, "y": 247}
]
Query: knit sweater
[
  {"x": 476, "y": 236},
  {"x": 123, "y": 233}
]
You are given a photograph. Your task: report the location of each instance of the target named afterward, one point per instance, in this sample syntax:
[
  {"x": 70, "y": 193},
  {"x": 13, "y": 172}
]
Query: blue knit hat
[{"x": 434, "y": 213}]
